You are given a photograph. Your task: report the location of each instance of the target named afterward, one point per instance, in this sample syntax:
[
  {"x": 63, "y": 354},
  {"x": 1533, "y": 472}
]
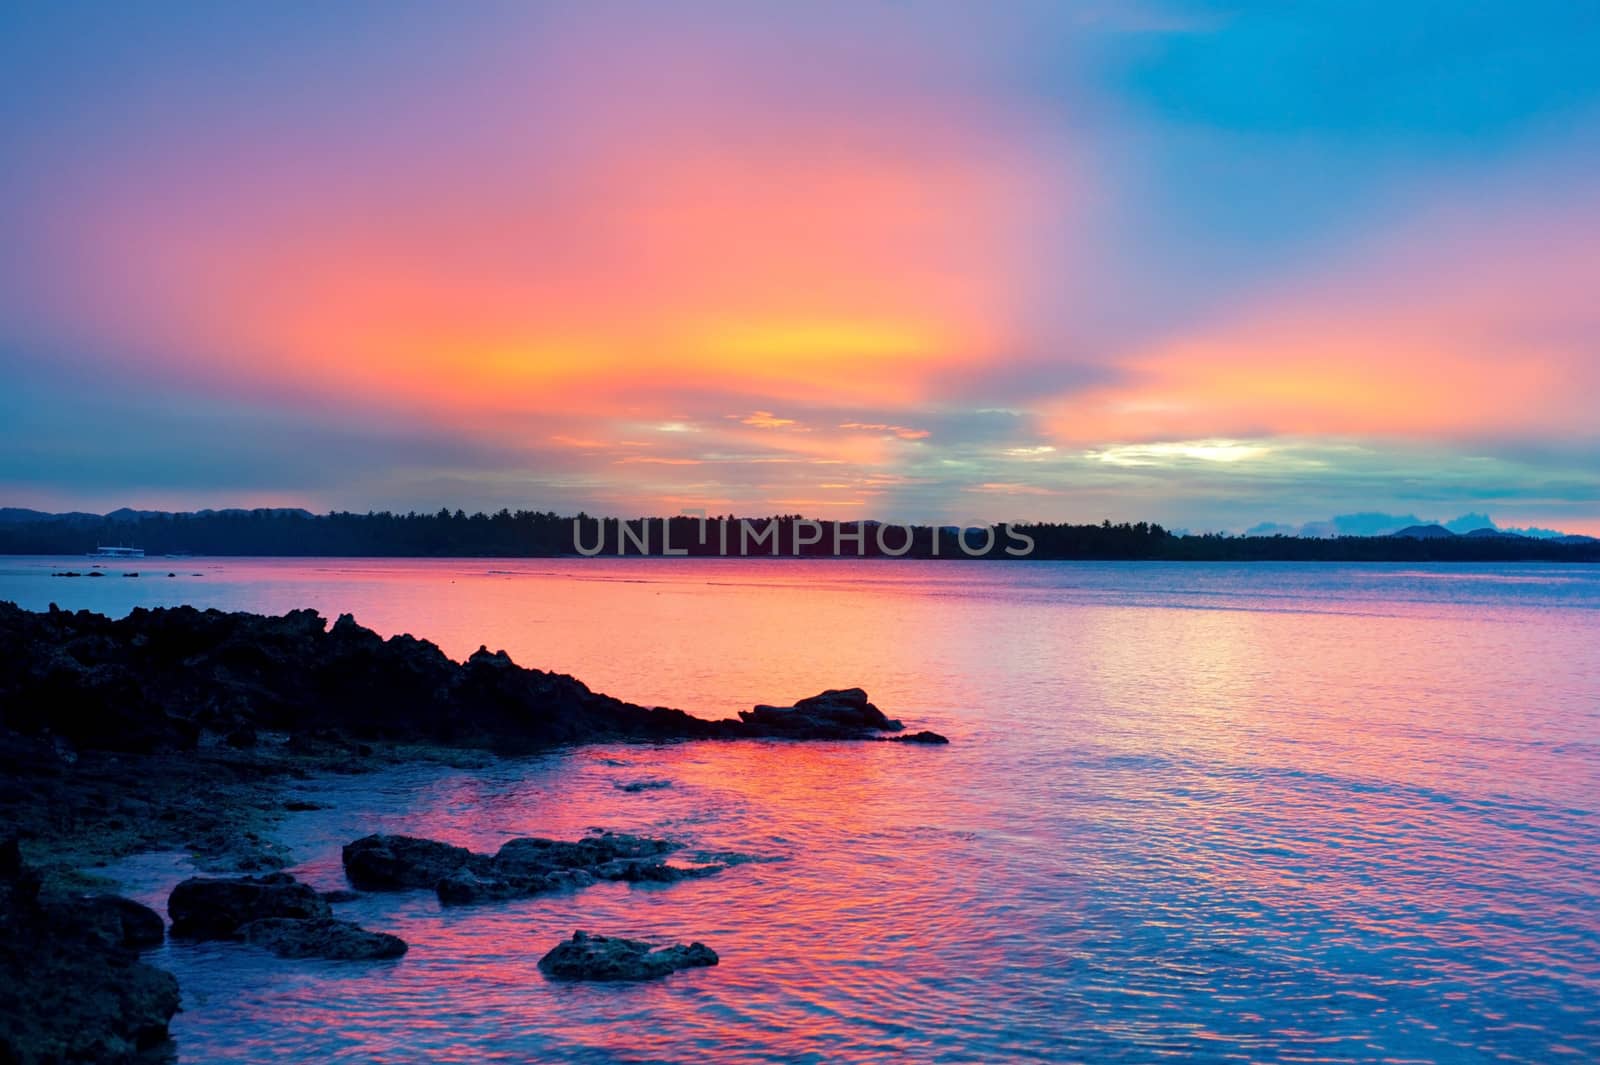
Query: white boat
[{"x": 117, "y": 552}]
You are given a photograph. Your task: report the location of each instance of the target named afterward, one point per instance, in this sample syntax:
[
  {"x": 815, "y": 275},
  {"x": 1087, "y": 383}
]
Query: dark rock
[
  {"x": 837, "y": 714},
  {"x": 115, "y": 919},
  {"x": 394, "y": 863},
  {"x": 534, "y": 855},
  {"x": 71, "y": 989},
  {"x": 218, "y": 907},
  {"x": 324, "y": 937},
  {"x": 11, "y": 864},
  {"x": 340, "y": 895},
  {"x": 466, "y": 886},
  {"x": 159, "y": 680},
  {"x": 228, "y": 850},
  {"x": 611, "y": 958},
  {"x": 916, "y": 737},
  {"x": 521, "y": 867}
]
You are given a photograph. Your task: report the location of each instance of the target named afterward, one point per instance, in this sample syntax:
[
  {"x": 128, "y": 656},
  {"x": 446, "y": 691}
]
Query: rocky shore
[
  {"x": 181, "y": 678},
  {"x": 174, "y": 728},
  {"x": 72, "y": 987},
  {"x": 177, "y": 729}
]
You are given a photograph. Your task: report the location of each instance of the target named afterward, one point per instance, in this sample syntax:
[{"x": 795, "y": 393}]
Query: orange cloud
[
  {"x": 654, "y": 233},
  {"x": 901, "y": 431},
  {"x": 765, "y": 419},
  {"x": 1457, "y": 327}
]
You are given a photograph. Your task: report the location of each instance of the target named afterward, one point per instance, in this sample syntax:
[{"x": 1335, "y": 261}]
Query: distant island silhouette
[{"x": 542, "y": 534}]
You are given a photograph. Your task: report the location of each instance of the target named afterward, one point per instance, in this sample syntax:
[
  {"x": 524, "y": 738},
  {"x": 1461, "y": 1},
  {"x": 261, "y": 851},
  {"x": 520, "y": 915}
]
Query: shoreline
[{"x": 177, "y": 729}]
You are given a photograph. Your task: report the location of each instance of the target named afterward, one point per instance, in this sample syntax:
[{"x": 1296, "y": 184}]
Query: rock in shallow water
[
  {"x": 916, "y": 737},
  {"x": 277, "y": 912},
  {"x": 836, "y": 714},
  {"x": 532, "y": 854},
  {"x": 394, "y": 863},
  {"x": 612, "y": 958},
  {"x": 322, "y": 938},
  {"x": 522, "y": 867},
  {"x": 217, "y": 907},
  {"x": 114, "y": 919},
  {"x": 71, "y": 988}
]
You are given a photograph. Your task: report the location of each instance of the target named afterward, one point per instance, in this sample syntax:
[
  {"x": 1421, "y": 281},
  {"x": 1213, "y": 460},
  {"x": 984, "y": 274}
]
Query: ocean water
[{"x": 1274, "y": 813}]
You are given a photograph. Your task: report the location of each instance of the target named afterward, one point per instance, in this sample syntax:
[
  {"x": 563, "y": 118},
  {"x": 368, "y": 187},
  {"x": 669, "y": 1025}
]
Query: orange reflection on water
[{"x": 1191, "y": 811}]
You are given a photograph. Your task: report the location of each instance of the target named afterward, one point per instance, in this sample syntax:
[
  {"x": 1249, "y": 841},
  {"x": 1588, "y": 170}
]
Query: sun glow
[{"x": 1167, "y": 453}]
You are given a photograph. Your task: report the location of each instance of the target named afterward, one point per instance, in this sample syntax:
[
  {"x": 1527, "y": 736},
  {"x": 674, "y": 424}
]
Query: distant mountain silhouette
[
  {"x": 22, "y": 516},
  {"x": 1378, "y": 523},
  {"x": 1425, "y": 532}
]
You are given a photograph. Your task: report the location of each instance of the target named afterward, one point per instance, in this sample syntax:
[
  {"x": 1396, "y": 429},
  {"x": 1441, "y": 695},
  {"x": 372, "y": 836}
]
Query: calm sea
[{"x": 1189, "y": 813}]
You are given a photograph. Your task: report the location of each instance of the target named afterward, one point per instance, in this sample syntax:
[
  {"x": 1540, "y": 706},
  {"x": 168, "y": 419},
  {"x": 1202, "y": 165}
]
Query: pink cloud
[{"x": 1476, "y": 319}]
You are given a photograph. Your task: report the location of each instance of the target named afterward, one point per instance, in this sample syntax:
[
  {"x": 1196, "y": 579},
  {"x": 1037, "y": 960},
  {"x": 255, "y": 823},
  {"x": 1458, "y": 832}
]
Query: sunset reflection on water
[{"x": 1270, "y": 813}]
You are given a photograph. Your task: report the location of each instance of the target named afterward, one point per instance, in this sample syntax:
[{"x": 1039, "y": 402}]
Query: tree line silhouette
[{"x": 530, "y": 533}]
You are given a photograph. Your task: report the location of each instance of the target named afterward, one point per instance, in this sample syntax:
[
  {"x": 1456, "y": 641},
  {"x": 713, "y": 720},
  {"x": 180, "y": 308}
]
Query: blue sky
[{"x": 1201, "y": 264}]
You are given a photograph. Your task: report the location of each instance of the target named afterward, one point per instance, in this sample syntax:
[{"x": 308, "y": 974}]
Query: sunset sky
[{"x": 1203, "y": 264}]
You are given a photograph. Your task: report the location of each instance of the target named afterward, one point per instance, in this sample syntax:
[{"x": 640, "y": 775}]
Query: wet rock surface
[
  {"x": 521, "y": 867},
  {"x": 394, "y": 863},
  {"x": 836, "y": 714},
  {"x": 322, "y": 938},
  {"x": 72, "y": 987},
  {"x": 612, "y": 958},
  {"x": 218, "y": 907},
  {"x": 916, "y": 737},
  {"x": 113, "y": 918},
  {"x": 276, "y": 912}
]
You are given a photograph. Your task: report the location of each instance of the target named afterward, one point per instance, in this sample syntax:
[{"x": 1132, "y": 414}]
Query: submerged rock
[
  {"x": 642, "y": 872},
  {"x": 72, "y": 988},
  {"x": 646, "y": 784},
  {"x": 612, "y": 958},
  {"x": 521, "y": 867},
  {"x": 325, "y": 937},
  {"x": 218, "y": 907}
]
